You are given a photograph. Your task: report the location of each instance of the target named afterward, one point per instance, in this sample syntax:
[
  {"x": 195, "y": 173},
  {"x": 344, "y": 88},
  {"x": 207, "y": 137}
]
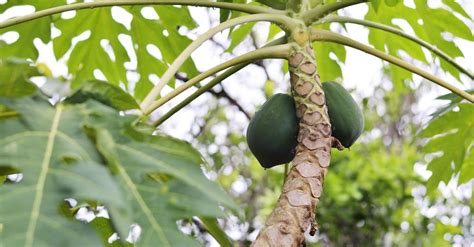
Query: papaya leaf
[
  {"x": 105, "y": 93},
  {"x": 273, "y": 31},
  {"x": 456, "y": 7},
  {"x": 454, "y": 101},
  {"x": 330, "y": 69},
  {"x": 164, "y": 185},
  {"x": 57, "y": 162},
  {"x": 162, "y": 34},
  {"x": 427, "y": 23},
  {"x": 452, "y": 135},
  {"x": 238, "y": 35},
  {"x": 392, "y": 2},
  {"x": 224, "y": 14},
  {"x": 375, "y": 4},
  {"x": 29, "y": 31},
  {"x": 15, "y": 79},
  {"x": 467, "y": 170},
  {"x": 89, "y": 55},
  {"x": 161, "y": 175},
  {"x": 104, "y": 228},
  {"x": 276, "y": 4}
]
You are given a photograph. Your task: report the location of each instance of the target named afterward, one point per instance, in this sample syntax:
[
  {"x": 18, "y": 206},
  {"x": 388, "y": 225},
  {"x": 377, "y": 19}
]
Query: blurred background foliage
[{"x": 374, "y": 193}]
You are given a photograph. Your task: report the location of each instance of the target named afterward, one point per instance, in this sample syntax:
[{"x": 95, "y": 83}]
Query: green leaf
[
  {"x": 161, "y": 175},
  {"x": 147, "y": 32},
  {"x": 467, "y": 170},
  {"x": 452, "y": 135},
  {"x": 456, "y": 7},
  {"x": 392, "y": 2},
  {"x": 28, "y": 31},
  {"x": 89, "y": 55},
  {"x": 375, "y": 4},
  {"x": 276, "y": 4},
  {"x": 57, "y": 162},
  {"x": 164, "y": 185},
  {"x": 224, "y": 14},
  {"x": 273, "y": 31},
  {"x": 105, "y": 93},
  {"x": 329, "y": 68},
  {"x": 454, "y": 101},
  {"x": 428, "y": 24},
  {"x": 104, "y": 228},
  {"x": 15, "y": 79},
  {"x": 238, "y": 35}
]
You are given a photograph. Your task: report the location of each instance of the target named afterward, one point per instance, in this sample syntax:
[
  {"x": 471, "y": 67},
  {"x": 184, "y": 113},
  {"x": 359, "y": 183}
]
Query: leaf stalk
[
  {"x": 246, "y": 8},
  {"x": 287, "y": 23},
  {"x": 319, "y": 12},
  {"x": 432, "y": 48},
  {"x": 323, "y": 35},
  {"x": 280, "y": 51},
  {"x": 218, "y": 79}
]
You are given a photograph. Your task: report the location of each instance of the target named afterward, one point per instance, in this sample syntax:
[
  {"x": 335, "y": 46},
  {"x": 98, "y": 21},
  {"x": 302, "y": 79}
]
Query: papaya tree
[{"x": 99, "y": 148}]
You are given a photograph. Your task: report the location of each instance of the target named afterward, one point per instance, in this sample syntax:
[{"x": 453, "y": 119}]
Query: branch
[
  {"x": 251, "y": 9},
  {"x": 155, "y": 92},
  {"x": 232, "y": 101},
  {"x": 210, "y": 85},
  {"x": 280, "y": 51},
  {"x": 319, "y": 12},
  {"x": 323, "y": 35},
  {"x": 432, "y": 48}
]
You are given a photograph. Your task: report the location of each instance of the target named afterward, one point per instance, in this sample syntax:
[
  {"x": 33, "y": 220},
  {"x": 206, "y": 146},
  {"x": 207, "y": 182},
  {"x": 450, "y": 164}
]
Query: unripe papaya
[
  {"x": 272, "y": 132},
  {"x": 346, "y": 118}
]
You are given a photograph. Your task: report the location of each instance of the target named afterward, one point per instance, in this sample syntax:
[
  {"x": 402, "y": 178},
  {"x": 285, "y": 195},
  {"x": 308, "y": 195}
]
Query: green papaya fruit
[
  {"x": 345, "y": 115},
  {"x": 272, "y": 132}
]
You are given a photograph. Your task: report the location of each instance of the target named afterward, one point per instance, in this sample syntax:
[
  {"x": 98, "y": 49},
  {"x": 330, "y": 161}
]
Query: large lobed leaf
[
  {"x": 429, "y": 24},
  {"x": 57, "y": 162},
  {"x": 163, "y": 182},
  {"x": 16, "y": 75},
  {"x": 328, "y": 66},
  {"x": 29, "y": 31},
  {"x": 101, "y": 50},
  {"x": 451, "y": 141},
  {"x": 90, "y": 152},
  {"x": 164, "y": 35}
]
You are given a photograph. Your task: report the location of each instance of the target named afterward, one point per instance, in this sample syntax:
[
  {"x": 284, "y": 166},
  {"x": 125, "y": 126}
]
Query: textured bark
[{"x": 294, "y": 212}]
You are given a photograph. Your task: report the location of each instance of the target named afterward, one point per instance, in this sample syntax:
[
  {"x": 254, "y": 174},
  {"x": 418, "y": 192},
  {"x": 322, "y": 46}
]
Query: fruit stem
[
  {"x": 280, "y": 51},
  {"x": 208, "y": 86},
  {"x": 247, "y": 8},
  {"x": 323, "y": 35},
  {"x": 285, "y": 21},
  {"x": 432, "y": 48}
]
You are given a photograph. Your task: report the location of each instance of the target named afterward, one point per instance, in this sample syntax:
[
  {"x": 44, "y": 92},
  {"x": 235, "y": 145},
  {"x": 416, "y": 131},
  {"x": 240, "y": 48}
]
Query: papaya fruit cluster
[{"x": 272, "y": 132}]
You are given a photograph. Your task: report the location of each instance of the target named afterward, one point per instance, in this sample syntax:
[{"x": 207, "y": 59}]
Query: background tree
[{"x": 58, "y": 145}]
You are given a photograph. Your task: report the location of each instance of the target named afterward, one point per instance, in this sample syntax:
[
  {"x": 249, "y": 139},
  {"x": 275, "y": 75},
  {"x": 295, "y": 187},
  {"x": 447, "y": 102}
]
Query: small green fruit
[
  {"x": 272, "y": 132},
  {"x": 345, "y": 115}
]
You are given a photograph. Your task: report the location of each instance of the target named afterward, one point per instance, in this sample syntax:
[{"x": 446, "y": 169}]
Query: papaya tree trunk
[{"x": 294, "y": 212}]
